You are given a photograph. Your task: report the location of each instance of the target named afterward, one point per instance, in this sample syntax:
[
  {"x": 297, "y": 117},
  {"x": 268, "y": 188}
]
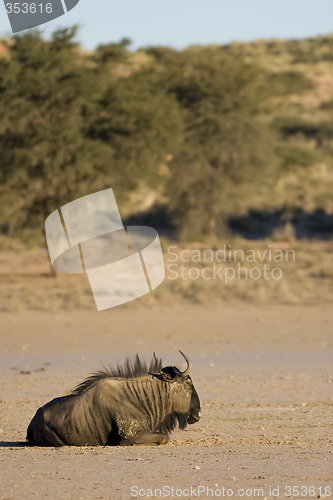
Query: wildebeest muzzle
[{"x": 193, "y": 417}]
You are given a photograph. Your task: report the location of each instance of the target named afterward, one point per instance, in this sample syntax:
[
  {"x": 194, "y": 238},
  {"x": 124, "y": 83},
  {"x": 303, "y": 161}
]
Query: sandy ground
[{"x": 264, "y": 376}]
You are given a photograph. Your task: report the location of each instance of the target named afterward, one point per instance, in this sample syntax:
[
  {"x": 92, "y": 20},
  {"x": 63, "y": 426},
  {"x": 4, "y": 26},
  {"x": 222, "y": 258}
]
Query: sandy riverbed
[{"x": 264, "y": 376}]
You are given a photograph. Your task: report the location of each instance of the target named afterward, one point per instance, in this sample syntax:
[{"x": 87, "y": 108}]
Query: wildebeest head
[{"x": 185, "y": 399}]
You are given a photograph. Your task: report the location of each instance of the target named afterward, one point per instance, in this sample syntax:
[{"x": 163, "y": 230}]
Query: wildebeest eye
[{"x": 188, "y": 378}]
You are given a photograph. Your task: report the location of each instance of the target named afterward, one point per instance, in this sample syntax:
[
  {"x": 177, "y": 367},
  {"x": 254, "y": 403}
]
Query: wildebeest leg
[{"x": 145, "y": 438}]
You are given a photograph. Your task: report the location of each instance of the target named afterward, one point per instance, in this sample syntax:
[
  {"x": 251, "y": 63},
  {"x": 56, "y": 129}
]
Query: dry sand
[{"x": 264, "y": 376}]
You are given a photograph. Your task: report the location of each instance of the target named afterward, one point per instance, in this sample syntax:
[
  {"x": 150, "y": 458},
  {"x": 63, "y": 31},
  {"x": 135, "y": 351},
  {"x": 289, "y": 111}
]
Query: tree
[
  {"x": 141, "y": 122},
  {"x": 226, "y": 148},
  {"x": 45, "y": 102},
  {"x": 73, "y": 124}
]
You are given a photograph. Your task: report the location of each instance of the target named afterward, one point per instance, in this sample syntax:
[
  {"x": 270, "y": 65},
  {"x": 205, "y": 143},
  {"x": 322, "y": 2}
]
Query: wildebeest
[{"x": 120, "y": 406}]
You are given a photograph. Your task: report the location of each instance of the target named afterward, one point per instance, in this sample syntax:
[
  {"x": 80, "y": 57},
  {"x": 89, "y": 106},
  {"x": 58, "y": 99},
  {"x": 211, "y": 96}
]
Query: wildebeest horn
[{"x": 189, "y": 365}]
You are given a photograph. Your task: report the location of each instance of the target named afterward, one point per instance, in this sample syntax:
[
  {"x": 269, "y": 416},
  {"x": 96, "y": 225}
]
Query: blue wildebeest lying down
[{"x": 122, "y": 406}]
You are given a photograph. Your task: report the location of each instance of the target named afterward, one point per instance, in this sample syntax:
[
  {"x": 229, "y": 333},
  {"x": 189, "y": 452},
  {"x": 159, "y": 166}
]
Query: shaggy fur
[{"x": 131, "y": 369}]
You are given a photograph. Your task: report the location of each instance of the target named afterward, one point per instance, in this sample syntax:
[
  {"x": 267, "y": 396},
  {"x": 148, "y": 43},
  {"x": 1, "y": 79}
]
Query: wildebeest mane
[{"x": 132, "y": 369}]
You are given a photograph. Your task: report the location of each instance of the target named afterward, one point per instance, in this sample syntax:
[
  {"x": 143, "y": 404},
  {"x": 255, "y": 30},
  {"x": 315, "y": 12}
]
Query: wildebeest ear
[
  {"x": 168, "y": 377},
  {"x": 167, "y": 374}
]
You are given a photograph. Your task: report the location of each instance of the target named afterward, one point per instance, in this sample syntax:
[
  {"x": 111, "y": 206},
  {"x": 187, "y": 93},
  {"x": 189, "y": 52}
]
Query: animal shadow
[{"x": 15, "y": 444}]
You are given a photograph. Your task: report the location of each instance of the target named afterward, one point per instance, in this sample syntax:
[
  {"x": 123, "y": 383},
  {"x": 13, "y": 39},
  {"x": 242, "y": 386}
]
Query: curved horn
[{"x": 189, "y": 365}]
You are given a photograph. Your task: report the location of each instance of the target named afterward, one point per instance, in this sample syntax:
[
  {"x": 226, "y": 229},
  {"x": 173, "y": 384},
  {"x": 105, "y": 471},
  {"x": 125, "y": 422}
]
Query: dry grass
[
  {"x": 307, "y": 280},
  {"x": 26, "y": 282}
]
